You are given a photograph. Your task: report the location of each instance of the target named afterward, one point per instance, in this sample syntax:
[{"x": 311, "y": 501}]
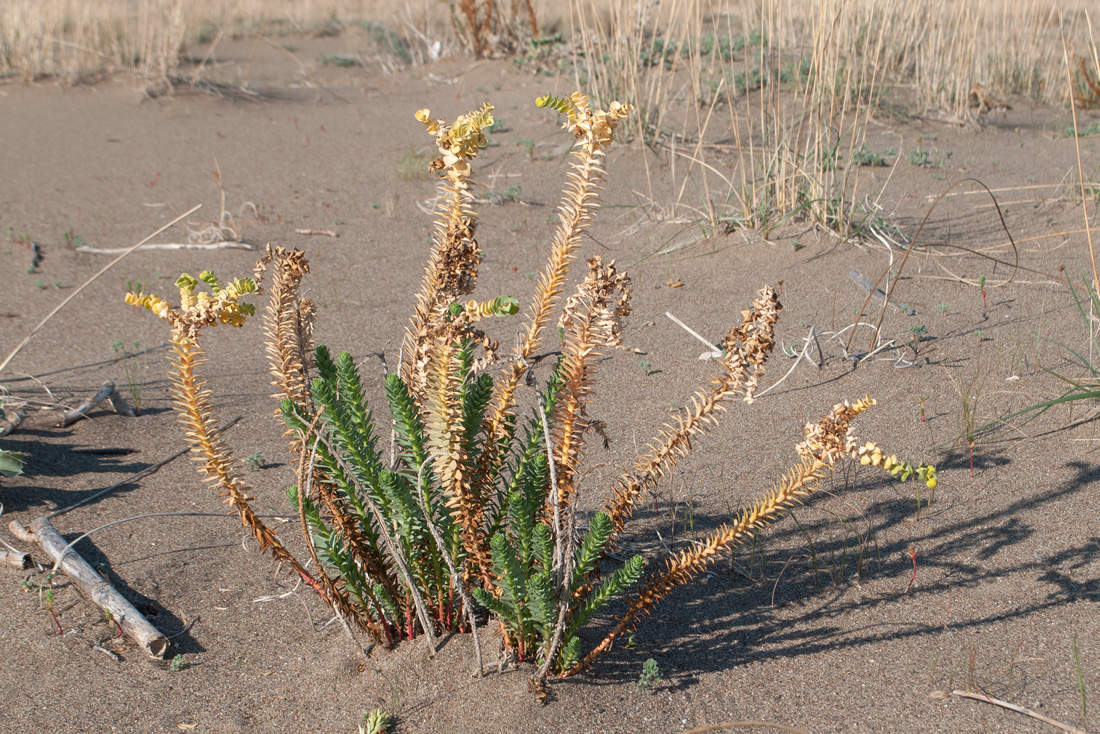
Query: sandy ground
[{"x": 816, "y": 627}]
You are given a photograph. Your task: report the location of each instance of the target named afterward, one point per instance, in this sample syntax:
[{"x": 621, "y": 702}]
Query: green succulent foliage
[
  {"x": 344, "y": 447},
  {"x": 11, "y": 463},
  {"x": 363, "y": 486},
  {"x": 527, "y": 603}
]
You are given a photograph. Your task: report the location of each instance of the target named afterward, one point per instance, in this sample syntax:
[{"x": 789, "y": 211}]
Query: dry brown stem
[
  {"x": 747, "y": 348},
  {"x": 826, "y": 442}
]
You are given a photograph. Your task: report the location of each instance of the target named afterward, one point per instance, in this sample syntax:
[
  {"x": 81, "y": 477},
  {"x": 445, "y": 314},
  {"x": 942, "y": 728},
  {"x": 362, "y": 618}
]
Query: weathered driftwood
[
  {"x": 12, "y": 419},
  {"x": 94, "y": 586},
  {"x": 22, "y": 561},
  {"x": 221, "y": 245},
  {"x": 120, "y": 405},
  {"x": 107, "y": 392}
]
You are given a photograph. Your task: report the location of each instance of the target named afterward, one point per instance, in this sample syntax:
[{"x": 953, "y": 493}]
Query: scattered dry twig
[
  {"x": 107, "y": 392},
  {"x": 12, "y": 419},
  {"x": 312, "y": 232},
  {"x": 93, "y": 585},
  {"x": 224, "y": 245},
  {"x": 1018, "y": 709},
  {"x": 89, "y": 281},
  {"x": 745, "y": 725},
  {"x": 713, "y": 351}
]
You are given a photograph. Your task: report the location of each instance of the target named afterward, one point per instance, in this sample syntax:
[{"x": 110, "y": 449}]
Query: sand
[{"x": 821, "y": 625}]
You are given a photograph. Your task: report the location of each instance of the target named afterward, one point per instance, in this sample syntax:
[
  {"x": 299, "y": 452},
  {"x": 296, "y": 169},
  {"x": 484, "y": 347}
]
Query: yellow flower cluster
[
  {"x": 871, "y": 455},
  {"x": 460, "y": 142},
  {"x": 156, "y": 304},
  {"x": 220, "y": 306},
  {"x": 595, "y": 127}
]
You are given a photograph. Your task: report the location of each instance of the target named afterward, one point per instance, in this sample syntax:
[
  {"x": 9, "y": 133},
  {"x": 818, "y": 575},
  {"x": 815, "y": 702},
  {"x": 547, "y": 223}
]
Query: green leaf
[
  {"x": 569, "y": 653},
  {"x": 408, "y": 425},
  {"x": 611, "y": 586},
  {"x": 512, "y": 582},
  {"x": 543, "y": 545},
  {"x": 476, "y": 395},
  {"x": 11, "y": 463},
  {"x": 542, "y": 603},
  {"x": 591, "y": 548}
]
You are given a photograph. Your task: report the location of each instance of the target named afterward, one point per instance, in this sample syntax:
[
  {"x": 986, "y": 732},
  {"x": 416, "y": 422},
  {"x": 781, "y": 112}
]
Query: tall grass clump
[
  {"x": 761, "y": 109},
  {"x": 81, "y": 41},
  {"x": 476, "y": 510}
]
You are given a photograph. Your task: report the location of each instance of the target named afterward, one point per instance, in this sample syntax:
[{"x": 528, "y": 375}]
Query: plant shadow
[{"x": 732, "y": 622}]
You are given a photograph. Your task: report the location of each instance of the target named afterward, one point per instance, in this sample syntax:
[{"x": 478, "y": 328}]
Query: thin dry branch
[
  {"x": 93, "y": 585},
  {"x": 225, "y": 245},
  {"x": 107, "y": 392},
  {"x": 1018, "y": 709},
  {"x": 88, "y": 282}
]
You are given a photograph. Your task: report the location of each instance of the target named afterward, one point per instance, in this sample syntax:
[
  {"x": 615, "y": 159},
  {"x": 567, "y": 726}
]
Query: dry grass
[{"x": 940, "y": 47}]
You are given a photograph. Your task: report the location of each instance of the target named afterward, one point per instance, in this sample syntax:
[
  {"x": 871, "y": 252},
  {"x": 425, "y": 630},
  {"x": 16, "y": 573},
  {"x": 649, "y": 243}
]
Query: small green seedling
[
  {"x": 377, "y": 722},
  {"x": 944, "y": 308},
  {"x": 111, "y": 618},
  {"x": 256, "y": 461},
  {"x": 646, "y": 367},
  {"x": 73, "y": 240},
  {"x": 917, "y": 334},
  {"x": 47, "y": 601},
  {"x": 650, "y": 677},
  {"x": 919, "y": 157},
  {"x": 177, "y": 664},
  {"x": 130, "y": 368},
  {"x": 981, "y": 287}
]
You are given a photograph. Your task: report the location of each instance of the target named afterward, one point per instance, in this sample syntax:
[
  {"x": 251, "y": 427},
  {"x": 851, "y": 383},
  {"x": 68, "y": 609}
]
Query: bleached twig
[
  {"x": 82, "y": 411},
  {"x": 1018, "y": 709},
  {"x": 810, "y": 339},
  {"x": 714, "y": 352},
  {"x": 224, "y": 245}
]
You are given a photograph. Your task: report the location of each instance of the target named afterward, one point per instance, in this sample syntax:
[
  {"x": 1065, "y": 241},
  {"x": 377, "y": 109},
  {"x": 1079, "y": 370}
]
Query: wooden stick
[
  {"x": 120, "y": 405},
  {"x": 715, "y": 352},
  {"x": 224, "y": 245},
  {"x": 12, "y": 419},
  {"x": 1018, "y": 709},
  {"x": 82, "y": 412},
  {"x": 22, "y": 561},
  {"x": 88, "y": 282},
  {"x": 92, "y": 585},
  {"x": 745, "y": 725}
]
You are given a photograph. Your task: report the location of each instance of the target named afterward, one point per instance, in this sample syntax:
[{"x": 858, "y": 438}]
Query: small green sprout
[
  {"x": 256, "y": 461},
  {"x": 377, "y": 722},
  {"x": 650, "y": 677}
]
